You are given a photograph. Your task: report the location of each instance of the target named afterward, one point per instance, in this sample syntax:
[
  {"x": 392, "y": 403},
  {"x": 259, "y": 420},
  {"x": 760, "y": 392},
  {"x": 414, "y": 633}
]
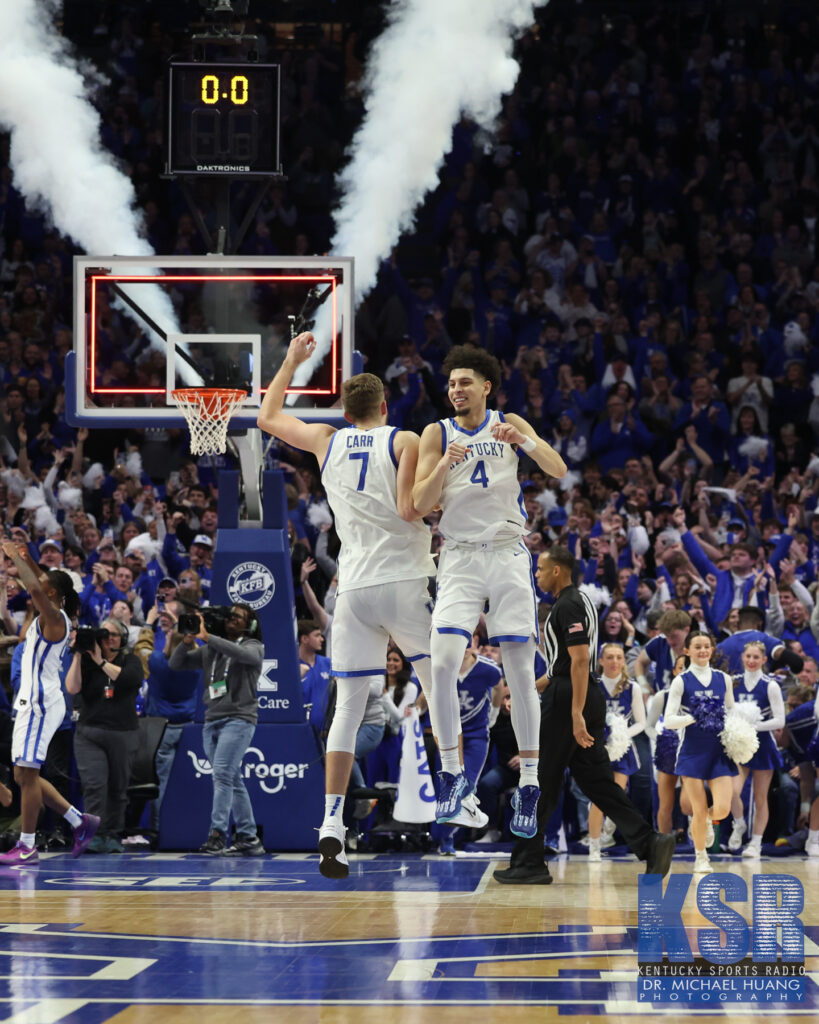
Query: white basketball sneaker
[
  {"x": 737, "y": 835},
  {"x": 702, "y": 865},
  {"x": 470, "y": 814},
  {"x": 333, "y": 860},
  {"x": 709, "y": 834},
  {"x": 595, "y": 857}
]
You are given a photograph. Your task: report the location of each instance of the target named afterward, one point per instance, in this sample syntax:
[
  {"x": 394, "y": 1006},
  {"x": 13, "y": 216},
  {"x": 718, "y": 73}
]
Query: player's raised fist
[
  {"x": 302, "y": 347},
  {"x": 509, "y": 433},
  {"x": 455, "y": 453}
]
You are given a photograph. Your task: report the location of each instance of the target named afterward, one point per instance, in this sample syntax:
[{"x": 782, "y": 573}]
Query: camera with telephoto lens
[
  {"x": 87, "y": 636},
  {"x": 214, "y": 616}
]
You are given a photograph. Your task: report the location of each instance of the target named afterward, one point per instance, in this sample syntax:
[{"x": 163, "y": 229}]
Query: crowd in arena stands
[{"x": 638, "y": 244}]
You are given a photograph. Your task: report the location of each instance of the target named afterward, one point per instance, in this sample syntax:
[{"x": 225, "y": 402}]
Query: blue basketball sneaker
[
  {"x": 446, "y": 846},
  {"x": 524, "y": 804},
  {"x": 451, "y": 791}
]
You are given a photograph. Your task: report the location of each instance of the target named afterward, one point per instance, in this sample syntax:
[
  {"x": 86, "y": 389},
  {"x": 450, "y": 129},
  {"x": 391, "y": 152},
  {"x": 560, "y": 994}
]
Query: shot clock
[{"x": 223, "y": 119}]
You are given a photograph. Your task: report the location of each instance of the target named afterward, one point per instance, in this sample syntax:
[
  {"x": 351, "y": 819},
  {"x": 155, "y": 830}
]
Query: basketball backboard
[{"x": 144, "y": 326}]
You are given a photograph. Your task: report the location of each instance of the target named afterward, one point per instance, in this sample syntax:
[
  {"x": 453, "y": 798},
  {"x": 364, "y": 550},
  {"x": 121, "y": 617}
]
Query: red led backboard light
[{"x": 158, "y": 278}]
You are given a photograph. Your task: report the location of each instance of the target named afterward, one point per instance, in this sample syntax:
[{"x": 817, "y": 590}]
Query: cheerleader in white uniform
[
  {"x": 625, "y": 698},
  {"x": 764, "y": 691},
  {"x": 697, "y": 702}
]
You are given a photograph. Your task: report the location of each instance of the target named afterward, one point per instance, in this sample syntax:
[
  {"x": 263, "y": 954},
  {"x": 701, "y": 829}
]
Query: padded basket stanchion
[{"x": 208, "y": 412}]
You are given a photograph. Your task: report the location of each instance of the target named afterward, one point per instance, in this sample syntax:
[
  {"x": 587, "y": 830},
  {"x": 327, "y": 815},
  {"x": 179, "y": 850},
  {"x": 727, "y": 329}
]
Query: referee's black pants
[{"x": 590, "y": 767}]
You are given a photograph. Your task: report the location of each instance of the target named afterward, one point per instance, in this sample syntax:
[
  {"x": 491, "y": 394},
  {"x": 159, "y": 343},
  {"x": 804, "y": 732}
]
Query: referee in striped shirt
[{"x": 572, "y": 729}]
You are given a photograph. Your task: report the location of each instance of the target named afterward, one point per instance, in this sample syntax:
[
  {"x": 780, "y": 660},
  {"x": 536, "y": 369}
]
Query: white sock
[
  {"x": 700, "y": 853},
  {"x": 813, "y": 836},
  {"x": 528, "y": 771},
  {"x": 451, "y": 761},
  {"x": 738, "y": 822},
  {"x": 333, "y": 807},
  {"x": 73, "y": 817},
  {"x": 755, "y": 841},
  {"x": 27, "y": 839}
]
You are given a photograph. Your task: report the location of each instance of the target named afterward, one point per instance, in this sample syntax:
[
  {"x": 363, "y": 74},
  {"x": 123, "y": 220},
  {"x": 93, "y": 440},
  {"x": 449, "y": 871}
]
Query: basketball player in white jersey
[
  {"x": 367, "y": 470},
  {"x": 40, "y": 705},
  {"x": 469, "y": 466}
]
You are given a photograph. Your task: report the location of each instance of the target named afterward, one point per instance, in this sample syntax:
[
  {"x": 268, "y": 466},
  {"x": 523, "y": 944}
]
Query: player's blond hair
[{"x": 362, "y": 396}]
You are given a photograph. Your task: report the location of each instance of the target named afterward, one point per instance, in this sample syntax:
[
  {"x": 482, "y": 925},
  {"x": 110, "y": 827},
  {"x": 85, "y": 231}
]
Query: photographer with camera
[
  {"x": 108, "y": 680},
  {"x": 231, "y": 659}
]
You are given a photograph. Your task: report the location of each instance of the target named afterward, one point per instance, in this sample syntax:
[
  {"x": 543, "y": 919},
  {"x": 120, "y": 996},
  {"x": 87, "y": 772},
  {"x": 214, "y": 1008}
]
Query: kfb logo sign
[
  {"x": 723, "y": 971},
  {"x": 251, "y": 583}
]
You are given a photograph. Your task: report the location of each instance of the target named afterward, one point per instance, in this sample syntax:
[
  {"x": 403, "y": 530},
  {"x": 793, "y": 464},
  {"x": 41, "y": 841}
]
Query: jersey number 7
[{"x": 365, "y": 458}]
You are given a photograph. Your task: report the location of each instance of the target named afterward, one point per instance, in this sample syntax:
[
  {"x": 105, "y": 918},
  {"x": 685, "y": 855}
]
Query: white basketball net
[{"x": 208, "y": 412}]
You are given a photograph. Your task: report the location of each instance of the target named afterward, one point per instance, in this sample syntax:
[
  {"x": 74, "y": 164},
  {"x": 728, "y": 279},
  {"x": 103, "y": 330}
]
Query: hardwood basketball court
[{"x": 185, "y": 938}]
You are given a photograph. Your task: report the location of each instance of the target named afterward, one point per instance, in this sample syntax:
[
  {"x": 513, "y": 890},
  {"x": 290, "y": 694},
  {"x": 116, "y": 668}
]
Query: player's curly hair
[
  {"x": 465, "y": 357},
  {"x": 362, "y": 396}
]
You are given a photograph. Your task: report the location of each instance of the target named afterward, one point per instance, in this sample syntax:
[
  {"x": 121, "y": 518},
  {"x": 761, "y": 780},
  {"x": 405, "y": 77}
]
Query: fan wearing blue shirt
[
  {"x": 315, "y": 672},
  {"x": 749, "y": 627}
]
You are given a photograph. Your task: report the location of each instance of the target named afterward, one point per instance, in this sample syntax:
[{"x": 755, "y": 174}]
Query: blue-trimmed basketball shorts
[
  {"x": 469, "y": 578},
  {"x": 34, "y": 727},
  {"x": 366, "y": 618}
]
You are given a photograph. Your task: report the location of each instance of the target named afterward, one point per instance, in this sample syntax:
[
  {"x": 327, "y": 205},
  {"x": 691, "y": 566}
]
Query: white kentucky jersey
[
  {"x": 359, "y": 474},
  {"x": 41, "y": 668},
  {"x": 481, "y": 498}
]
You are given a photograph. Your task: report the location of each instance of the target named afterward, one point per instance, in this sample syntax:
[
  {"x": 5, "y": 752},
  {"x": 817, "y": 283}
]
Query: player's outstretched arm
[
  {"x": 515, "y": 430},
  {"x": 310, "y": 437},
  {"x": 433, "y": 467},
  {"x": 406, "y": 447},
  {"x": 36, "y": 583}
]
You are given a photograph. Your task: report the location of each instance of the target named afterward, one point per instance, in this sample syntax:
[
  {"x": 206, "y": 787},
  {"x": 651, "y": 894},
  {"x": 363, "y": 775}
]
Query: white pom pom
[
  {"x": 91, "y": 475},
  {"x": 44, "y": 521},
  {"x": 600, "y": 597},
  {"x": 14, "y": 481},
  {"x": 619, "y": 740},
  {"x": 570, "y": 480},
  {"x": 547, "y": 500},
  {"x": 133, "y": 465},
  {"x": 68, "y": 497},
  {"x": 33, "y": 498},
  {"x": 750, "y": 711},
  {"x": 753, "y": 447},
  {"x": 319, "y": 514},
  {"x": 739, "y": 738},
  {"x": 145, "y": 542}
]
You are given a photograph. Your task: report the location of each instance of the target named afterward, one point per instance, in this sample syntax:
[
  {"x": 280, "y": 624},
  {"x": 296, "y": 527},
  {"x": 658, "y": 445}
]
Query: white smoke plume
[
  {"x": 433, "y": 62},
  {"x": 56, "y": 155}
]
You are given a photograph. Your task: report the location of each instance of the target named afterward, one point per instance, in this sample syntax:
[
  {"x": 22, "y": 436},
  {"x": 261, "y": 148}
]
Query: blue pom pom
[
  {"x": 665, "y": 752},
  {"x": 708, "y": 711},
  {"x": 812, "y": 750}
]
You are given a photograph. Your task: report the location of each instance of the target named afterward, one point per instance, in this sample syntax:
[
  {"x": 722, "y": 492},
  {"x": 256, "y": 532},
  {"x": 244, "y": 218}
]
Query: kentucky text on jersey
[{"x": 484, "y": 449}]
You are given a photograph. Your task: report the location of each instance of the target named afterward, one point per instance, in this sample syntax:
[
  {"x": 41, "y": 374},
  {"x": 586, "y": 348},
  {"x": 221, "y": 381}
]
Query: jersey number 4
[
  {"x": 364, "y": 458},
  {"x": 479, "y": 475}
]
